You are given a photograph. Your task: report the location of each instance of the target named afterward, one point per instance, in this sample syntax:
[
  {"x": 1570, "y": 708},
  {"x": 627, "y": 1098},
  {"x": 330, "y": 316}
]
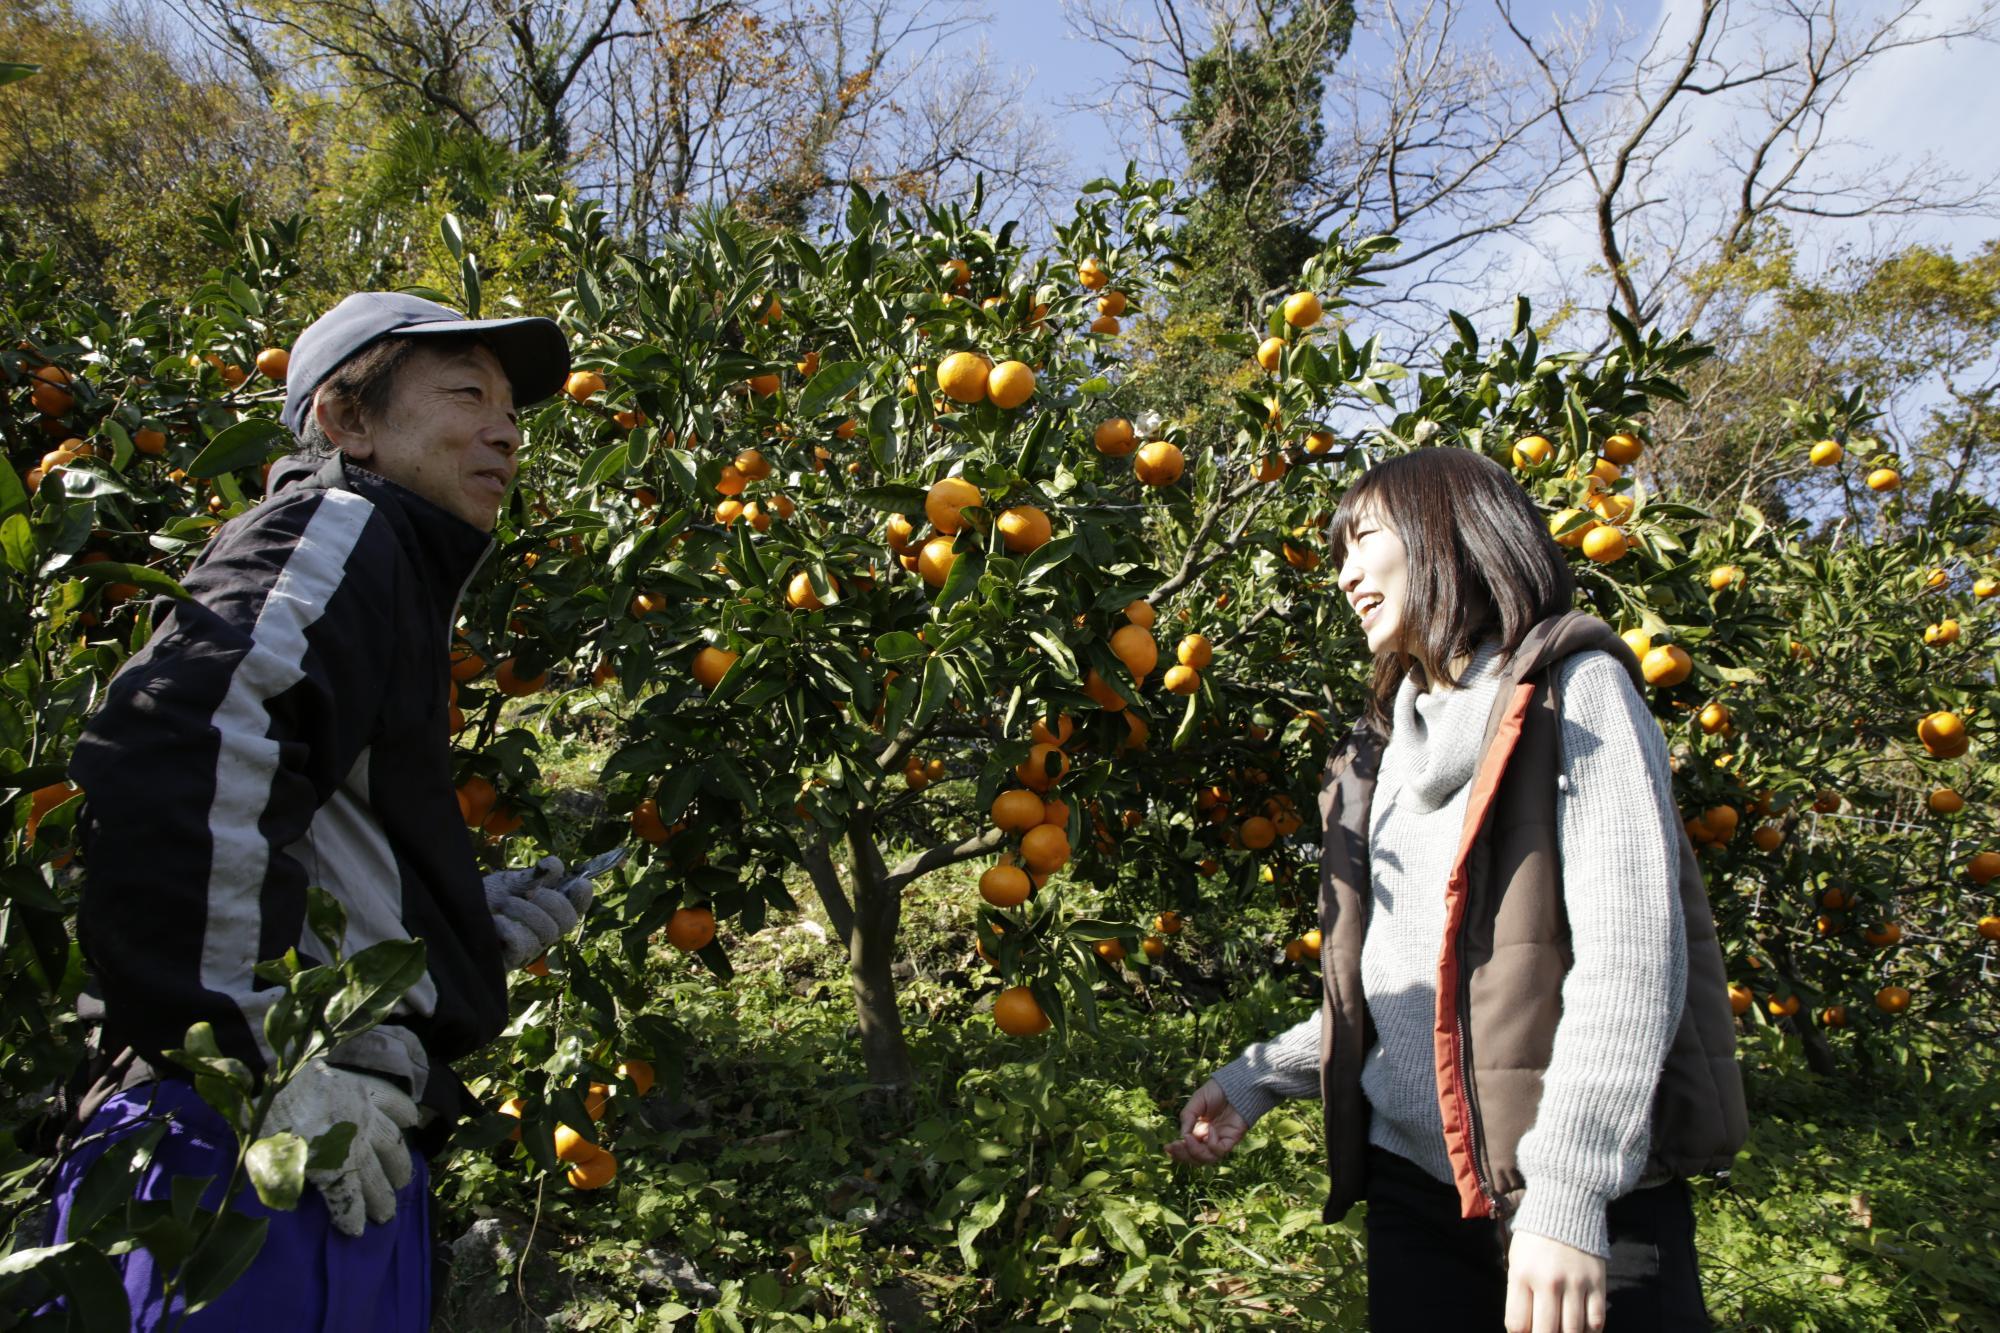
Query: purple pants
[{"x": 306, "y": 1276}]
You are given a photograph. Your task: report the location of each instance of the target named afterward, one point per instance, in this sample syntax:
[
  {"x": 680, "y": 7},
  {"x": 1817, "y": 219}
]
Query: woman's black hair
[{"x": 1480, "y": 557}]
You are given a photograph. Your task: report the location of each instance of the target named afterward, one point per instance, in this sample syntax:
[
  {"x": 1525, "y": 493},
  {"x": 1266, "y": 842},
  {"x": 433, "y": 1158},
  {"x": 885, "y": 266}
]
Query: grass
[{"x": 1023, "y": 1184}]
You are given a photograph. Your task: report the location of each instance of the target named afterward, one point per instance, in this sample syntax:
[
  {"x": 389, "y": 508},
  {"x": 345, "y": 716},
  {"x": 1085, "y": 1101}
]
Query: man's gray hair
[{"x": 367, "y": 379}]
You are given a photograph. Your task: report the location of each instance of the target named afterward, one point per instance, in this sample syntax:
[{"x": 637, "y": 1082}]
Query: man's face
[{"x": 448, "y": 432}]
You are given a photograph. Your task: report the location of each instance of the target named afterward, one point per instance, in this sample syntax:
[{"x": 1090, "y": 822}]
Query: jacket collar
[{"x": 446, "y": 550}]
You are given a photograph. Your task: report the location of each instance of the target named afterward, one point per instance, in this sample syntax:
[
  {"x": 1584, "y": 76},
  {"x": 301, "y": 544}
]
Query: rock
[
  {"x": 480, "y": 1292},
  {"x": 664, "y": 1273}
]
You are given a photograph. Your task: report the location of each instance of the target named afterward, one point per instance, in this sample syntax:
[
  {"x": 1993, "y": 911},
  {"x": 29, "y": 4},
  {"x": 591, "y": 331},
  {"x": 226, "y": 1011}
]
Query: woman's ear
[{"x": 345, "y": 425}]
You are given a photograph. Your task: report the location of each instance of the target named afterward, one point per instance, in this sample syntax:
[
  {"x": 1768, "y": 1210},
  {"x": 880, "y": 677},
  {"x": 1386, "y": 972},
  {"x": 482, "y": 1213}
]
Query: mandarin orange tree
[{"x": 862, "y": 556}]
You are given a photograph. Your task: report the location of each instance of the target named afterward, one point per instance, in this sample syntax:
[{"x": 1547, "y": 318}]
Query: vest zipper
[{"x": 1478, "y": 1137}]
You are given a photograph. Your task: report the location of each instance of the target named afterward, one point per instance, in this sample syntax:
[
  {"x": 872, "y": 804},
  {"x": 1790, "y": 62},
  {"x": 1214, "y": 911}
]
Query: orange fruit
[
  {"x": 150, "y": 442},
  {"x": 1983, "y": 588},
  {"x": 962, "y": 377},
  {"x": 1666, "y": 666},
  {"x": 647, "y": 824},
  {"x": 1624, "y": 449},
  {"x": 507, "y": 676},
  {"x": 1114, "y": 437},
  {"x": 645, "y": 603},
  {"x": 273, "y": 363},
  {"x": 1045, "y": 848},
  {"x": 1141, "y": 613},
  {"x": 1024, "y": 528},
  {"x": 637, "y": 1072},
  {"x": 1195, "y": 651},
  {"x": 1945, "y": 801},
  {"x": 1043, "y": 768},
  {"x": 476, "y": 797},
  {"x": 1882, "y": 935},
  {"x": 517, "y": 1108},
  {"x": 1137, "y": 649},
  {"x": 51, "y": 400},
  {"x": 1884, "y": 479},
  {"x": 630, "y": 419},
  {"x": 1892, "y": 999},
  {"x": 1826, "y": 453},
  {"x": 1159, "y": 464},
  {"x": 1531, "y": 451},
  {"x": 1111, "y": 951},
  {"x": 1989, "y": 927},
  {"x": 1154, "y": 947},
  {"x": 572, "y": 1146},
  {"x": 1575, "y": 536},
  {"x": 1943, "y": 734},
  {"x": 1271, "y": 353},
  {"x": 1740, "y": 998},
  {"x": 1319, "y": 441},
  {"x": 1106, "y": 324},
  {"x": 594, "y": 1173},
  {"x": 1257, "y": 833},
  {"x": 731, "y": 481},
  {"x": 1004, "y": 886},
  {"x": 1713, "y": 717},
  {"x": 583, "y": 385},
  {"x": 1784, "y": 1008},
  {"x": 899, "y": 532},
  {"x": 691, "y": 928},
  {"x": 1168, "y": 922},
  {"x": 799, "y": 594},
  {"x": 1605, "y": 545},
  {"x": 1984, "y": 867},
  {"x": 1723, "y": 577},
  {"x": 44, "y": 799},
  {"x": 711, "y": 664},
  {"x": 1017, "y": 811},
  {"x": 934, "y": 562},
  {"x": 1302, "y": 310},
  {"x": 1065, "y": 727},
  {"x": 1112, "y": 303},
  {"x": 1102, "y": 694},
  {"x": 1010, "y": 384},
  {"x": 597, "y": 1100},
  {"x": 1016, "y": 1013},
  {"x": 505, "y": 821},
  {"x": 753, "y": 465},
  {"x": 1833, "y": 1016},
  {"x": 945, "y": 501},
  {"x": 1181, "y": 679},
  {"x": 763, "y": 386},
  {"x": 1941, "y": 635},
  {"x": 1091, "y": 273},
  {"x": 1768, "y": 837}
]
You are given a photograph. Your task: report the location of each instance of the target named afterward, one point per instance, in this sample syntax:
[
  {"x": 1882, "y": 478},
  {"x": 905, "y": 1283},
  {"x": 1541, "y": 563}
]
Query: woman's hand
[
  {"x": 1553, "y": 1287},
  {"x": 1210, "y": 1127}
]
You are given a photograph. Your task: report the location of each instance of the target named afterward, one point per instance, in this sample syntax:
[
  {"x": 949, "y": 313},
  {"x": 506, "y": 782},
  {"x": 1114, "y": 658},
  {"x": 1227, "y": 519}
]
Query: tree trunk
[{"x": 871, "y": 952}]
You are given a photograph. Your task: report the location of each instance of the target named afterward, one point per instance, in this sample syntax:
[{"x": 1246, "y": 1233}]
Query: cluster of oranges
[
  {"x": 1158, "y": 462},
  {"x": 591, "y": 1165},
  {"x": 1595, "y": 525}
]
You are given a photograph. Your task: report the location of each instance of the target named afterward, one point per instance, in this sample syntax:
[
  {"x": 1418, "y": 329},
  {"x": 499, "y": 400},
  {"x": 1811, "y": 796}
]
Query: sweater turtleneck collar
[{"x": 1439, "y": 731}]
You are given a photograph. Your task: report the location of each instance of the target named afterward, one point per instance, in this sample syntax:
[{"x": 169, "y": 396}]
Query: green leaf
[
  {"x": 469, "y": 278},
  {"x": 277, "y": 1167},
  {"x": 11, "y": 72},
  {"x": 17, "y": 543},
  {"x": 964, "y": 576},
  {"x": 81, "y": 1272},
  {"x": 453, "y": 234},
  {"x": 245, "y": 444},
  {"x": 898, "y": 646},
  {"x": 936, "y": 689},
  {"x": 378, "y": 976},
  {"x": 13, "y": 495},
  {"x": 893, "y": 499},
  {"x": 143, "y": 576},
  {"x": 832, "y": 383},
  {"x": 1059, "y": 652}
]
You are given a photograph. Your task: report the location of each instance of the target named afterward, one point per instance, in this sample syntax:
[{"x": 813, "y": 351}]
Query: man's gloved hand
[
  {"x": 362, "y": 1189},
  {"x": 534, "y": 907}
]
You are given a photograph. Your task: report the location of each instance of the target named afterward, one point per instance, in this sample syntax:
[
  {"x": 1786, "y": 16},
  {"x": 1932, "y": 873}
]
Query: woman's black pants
[{"x": 1430, "y": 1269}]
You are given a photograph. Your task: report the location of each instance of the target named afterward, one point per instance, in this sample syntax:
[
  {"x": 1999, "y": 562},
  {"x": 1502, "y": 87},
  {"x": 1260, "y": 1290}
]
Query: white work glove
[
  {"x": 362, "y": 1189},
  {"x": 534, "y": 907}
]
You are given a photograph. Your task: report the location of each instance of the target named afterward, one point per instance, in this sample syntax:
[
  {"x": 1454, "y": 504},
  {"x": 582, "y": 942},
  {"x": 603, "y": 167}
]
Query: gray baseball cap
[{"x": 532, "y": 350}]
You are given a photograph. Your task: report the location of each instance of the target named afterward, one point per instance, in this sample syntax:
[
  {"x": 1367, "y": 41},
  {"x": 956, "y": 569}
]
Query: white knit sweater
[{"x": 1623, "y": 996}]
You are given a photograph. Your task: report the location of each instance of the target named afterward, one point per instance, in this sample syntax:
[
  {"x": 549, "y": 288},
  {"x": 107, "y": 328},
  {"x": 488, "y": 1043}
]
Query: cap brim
[{"x": 532, "y": 350}]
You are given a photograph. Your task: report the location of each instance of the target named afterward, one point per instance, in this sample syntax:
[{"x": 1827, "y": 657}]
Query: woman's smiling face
[{"x": 1375, "y": 579}]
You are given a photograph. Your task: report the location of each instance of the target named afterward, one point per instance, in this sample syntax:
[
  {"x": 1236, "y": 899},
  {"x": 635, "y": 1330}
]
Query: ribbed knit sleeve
[
  {"x": 1624, "y": 994},
  {"x": 1267, "y": 1073}
]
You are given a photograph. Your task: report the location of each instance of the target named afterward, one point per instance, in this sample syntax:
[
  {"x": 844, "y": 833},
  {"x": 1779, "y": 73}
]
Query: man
[{"x": 286, "y": 727}]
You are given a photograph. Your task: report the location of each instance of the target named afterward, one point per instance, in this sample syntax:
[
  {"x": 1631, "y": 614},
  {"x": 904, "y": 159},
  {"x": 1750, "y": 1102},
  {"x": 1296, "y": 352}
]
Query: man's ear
[{"x": 345, "y": 426}]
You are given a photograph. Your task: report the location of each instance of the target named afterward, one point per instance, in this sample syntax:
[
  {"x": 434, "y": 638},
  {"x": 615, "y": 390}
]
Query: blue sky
[{"x": 1934, "y": 99}]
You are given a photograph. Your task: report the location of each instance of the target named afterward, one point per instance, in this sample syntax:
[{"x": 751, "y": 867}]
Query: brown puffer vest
[{"x": 1506, "y": 952}]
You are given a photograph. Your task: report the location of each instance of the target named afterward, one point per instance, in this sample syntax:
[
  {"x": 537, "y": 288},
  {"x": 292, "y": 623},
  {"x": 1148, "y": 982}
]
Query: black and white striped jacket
[{"x": 288, "y": 726}]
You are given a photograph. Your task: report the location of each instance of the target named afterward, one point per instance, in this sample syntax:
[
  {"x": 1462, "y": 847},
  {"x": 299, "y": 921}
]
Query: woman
[{"x": 1524, "y": 1043}]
